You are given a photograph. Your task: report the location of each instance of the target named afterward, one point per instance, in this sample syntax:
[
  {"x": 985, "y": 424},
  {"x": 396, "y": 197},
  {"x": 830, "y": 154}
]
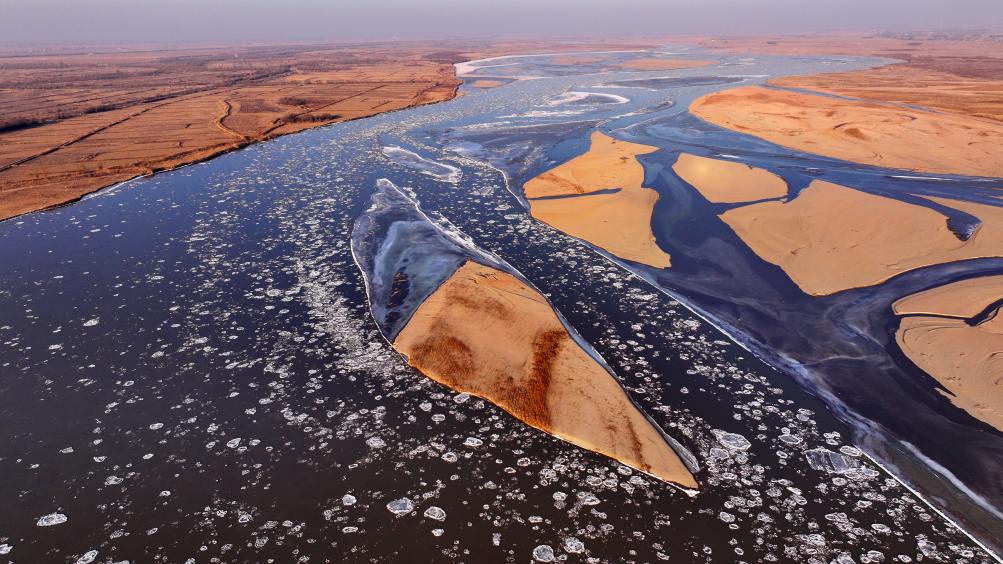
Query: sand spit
[
  {"x": 866, "y": 246},
  {"x": 964, "y": 354},
  {"x": 861, "y": 132},
  {"x": 486, "y": 333},
  {"x": 581, "y": 203},
  {"x": 943, "y": 91},
  {"x": 964, "y": 299},
  {"x": 727, "y": 182},
  {"x": 664, "y": 64},
  {"x": 486, "y": 83}
]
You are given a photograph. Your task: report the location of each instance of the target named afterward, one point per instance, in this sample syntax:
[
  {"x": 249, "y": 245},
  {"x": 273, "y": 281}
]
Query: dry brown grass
[
  {"x": 954, "y": 72},
  {"x": 73, "y": 123}
]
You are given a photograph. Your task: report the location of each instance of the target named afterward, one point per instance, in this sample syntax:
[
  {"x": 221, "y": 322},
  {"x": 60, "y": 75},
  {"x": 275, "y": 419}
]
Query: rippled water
[{"x": 190, "y": 370}]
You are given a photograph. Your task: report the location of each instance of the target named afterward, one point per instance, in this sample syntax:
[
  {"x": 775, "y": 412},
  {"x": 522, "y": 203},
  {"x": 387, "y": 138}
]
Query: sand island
[
  {"x": 599, "y": 197},
  {"x": 862, "y": 132},
  {"x": 485, "y": 332},
  {"x": 865, "y": 247},
  {"x": 727, "y": 182},
  {"x": 955, "y": 334},
  {"x": 652, "y": 64}
]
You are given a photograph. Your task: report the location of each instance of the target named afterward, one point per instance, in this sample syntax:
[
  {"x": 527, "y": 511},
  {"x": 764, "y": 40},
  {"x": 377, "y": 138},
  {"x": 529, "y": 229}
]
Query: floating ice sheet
[{"x": 437, "y": 170}]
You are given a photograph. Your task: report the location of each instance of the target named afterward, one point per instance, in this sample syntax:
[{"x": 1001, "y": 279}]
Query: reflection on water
[{"x": 190, "y": 369}]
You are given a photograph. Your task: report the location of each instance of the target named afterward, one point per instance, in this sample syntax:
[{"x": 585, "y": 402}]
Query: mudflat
[
  {"x": 949, "y": 334},
  {"x": 728, "y": 182},
  {"x": 485, "y": 332},
  {"x": 865, "y": 247},
  {"x": 599, "y": 197},
  {"x": 861, "y": 132}
]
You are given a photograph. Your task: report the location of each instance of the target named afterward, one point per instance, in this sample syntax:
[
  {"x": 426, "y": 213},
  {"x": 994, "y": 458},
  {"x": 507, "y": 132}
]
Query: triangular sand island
[
  {"x": 487, "y": 333},
  {"x": 466, "y": 319}
]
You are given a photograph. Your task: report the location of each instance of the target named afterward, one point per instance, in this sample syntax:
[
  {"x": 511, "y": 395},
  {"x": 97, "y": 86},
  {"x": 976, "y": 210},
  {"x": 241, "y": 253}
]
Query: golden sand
[
  {"x": 618, "y": 222},
  {"x": 486, "y": 83},
  {"x": 727, "y": 182},
  {"x": 832, "y": 238},
  {"x": 861, "y": 132},
  {"x": 578, "y": 59},
  {"x": 965, "y": 299},
  {"x": 486, "y": 333},
  {"x": 664, "y": 64},
  {"x": 967, "y": 360}
]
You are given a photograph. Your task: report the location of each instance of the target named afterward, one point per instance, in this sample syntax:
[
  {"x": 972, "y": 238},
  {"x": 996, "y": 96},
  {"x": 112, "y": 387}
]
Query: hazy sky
[{"x": 69, "y": 21}]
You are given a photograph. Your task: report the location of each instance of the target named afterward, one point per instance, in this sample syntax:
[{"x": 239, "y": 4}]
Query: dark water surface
[{"x": 189, "y": 371}]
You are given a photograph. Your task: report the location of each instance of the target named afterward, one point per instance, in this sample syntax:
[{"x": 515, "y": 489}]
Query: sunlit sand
[
  {"x": 486, "y": 333},
  {"x": 874, "y": 238},
  {"x": 664, "y": 64},
  {"x": 620, "y": 221},
  {"x": 964, "y": 355},
  {"x": 966, "y": 298},
  {"x": 486, "y": 83},
  {"x": 723, "y": 181},
  {"x": 861, "y": 132}
]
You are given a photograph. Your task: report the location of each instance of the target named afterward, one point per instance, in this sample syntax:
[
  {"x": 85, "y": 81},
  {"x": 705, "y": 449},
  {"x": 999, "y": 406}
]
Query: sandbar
[
  {"x": 874, "y": 239},
  {"x": 861, "y": 132},
  {"x": 727, "y": 182},
  {"x": 664, "y": 64},
  {"x": 599, "y": 197},
  {"x": 486, "y": 83},
  {"x": 965, "y": 356},
  {"x": 578, "y": 59},
  {"x": 486, "y": 333},
  {"x": 963, "y": 299}
]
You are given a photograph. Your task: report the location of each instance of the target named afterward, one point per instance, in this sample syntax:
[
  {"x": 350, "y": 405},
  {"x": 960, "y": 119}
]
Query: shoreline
[{"x": 219, "y": 153}]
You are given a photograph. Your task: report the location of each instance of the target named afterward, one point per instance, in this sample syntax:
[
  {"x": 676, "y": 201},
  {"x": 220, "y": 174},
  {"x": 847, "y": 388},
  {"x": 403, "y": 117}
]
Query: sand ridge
[
  {"x": 652, "y": 64},
  {"x": 964, "y": 355},
  {"x": 861, "y": 132},
  {"x": 962, "y": 299},
  {"x": 866, "y": 246},
  {"x": 485, "y": 332},
  {"x": 619, "y": 222},
  {"x": 728, "y": 182}
]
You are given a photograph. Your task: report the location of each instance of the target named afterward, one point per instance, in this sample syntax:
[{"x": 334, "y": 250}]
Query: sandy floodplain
[
  {"x": 861, "y": 132},
  {"x": 947, "y": 336},
  {"x": 599, "y": 197},
  {"x": 664, "y": 64},
  {"x": 964, "y": 299},
  {"x": 866, "y": 246},
  {"x": 485, "y": 332},
  {"x": 727, "y": 182},
  {"x": 486, "y": 83}
]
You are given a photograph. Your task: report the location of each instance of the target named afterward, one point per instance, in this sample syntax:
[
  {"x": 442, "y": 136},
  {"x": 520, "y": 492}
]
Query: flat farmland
[{"x": 74, "y": 122}]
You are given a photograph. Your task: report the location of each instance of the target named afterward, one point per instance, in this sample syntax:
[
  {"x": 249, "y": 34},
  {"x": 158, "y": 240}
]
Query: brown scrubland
[{"x": 76, "y": 122}]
